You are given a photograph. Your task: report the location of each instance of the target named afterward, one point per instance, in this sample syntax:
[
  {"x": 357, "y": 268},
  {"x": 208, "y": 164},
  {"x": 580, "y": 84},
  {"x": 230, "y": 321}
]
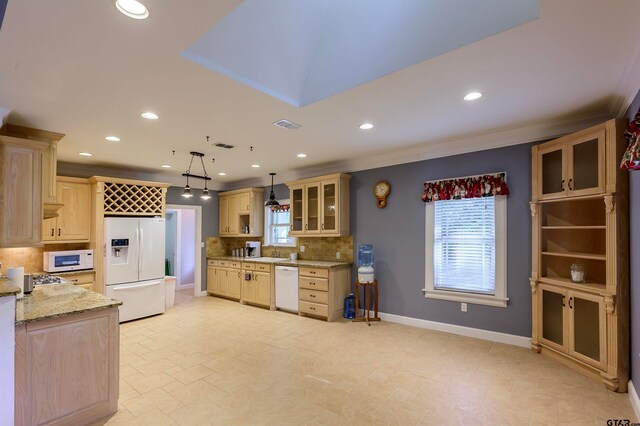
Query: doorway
[{"x": 183, "y": 246}]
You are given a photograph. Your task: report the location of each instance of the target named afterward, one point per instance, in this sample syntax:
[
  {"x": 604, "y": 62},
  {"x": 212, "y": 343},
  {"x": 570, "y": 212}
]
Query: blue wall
[
  {"x": 634, "y": 255},
  {"x": 398, "y": 232}
]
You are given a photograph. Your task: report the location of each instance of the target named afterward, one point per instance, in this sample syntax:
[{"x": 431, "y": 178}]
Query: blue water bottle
[{"x": 349, "y": 307}]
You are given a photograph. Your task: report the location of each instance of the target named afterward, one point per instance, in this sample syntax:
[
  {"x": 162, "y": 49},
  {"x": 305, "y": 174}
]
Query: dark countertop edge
[
  {"x": 287, "y": 262},
  {"x": 81, "y": 271},
  {"x": 115, "y": 303},
  {"x": 7, "y": 288}
]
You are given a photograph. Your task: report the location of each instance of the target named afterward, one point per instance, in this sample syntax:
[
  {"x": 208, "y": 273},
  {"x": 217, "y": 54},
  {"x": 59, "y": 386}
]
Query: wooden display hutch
[{"x": 579, "y": 213}]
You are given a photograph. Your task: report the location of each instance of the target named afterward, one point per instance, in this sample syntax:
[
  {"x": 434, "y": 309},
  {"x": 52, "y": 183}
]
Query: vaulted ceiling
[{"x": 86, "y": 70}]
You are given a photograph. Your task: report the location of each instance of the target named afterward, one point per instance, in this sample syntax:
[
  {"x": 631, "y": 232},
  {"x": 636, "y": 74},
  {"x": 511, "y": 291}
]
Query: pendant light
[
  {"x": 272, "y": 197},
  {"x": 187, "y": 189}
]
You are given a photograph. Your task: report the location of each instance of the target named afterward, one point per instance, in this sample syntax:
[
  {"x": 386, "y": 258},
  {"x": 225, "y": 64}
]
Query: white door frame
[{"x": 198, "y": 244}]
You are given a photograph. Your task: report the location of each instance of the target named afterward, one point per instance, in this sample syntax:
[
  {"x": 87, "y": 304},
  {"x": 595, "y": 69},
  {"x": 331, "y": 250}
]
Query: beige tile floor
[{"x": 213, "y": 361}]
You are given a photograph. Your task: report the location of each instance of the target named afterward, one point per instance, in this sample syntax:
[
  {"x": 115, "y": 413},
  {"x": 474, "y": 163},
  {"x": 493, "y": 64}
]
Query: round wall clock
[{"x": 382, "y": 191}]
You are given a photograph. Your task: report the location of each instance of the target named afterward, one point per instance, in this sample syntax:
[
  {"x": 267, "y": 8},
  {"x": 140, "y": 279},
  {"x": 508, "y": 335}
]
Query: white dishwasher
[{"x": 287, "y": 288}]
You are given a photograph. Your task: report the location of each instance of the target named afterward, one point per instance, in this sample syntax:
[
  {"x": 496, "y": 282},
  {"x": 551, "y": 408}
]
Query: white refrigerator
[{"x": 134, "y": 265}]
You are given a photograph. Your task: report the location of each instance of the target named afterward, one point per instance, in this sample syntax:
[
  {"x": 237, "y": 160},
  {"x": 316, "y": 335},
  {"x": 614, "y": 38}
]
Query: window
[
  {"x": 277, "y": 225},
  {"x": 466, "y": 250}
]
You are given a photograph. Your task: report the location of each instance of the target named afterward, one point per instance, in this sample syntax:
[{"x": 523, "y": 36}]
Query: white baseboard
[
  {"x": 635, "y": 401},
  {"x": 492, "y": 336},
  {"x": 202, "y": 293}
]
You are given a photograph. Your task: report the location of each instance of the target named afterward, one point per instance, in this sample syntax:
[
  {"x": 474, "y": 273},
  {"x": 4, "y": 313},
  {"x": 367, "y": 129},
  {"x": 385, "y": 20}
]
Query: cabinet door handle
[
  {"x": 312, "y": 295},
  {"x": 312, "y": 308},
  {"x": 226, "y": 273},
  {"x": 571, "y": 303},
  {"x": 290, "y": 227},
  {"x": 563, "y": 305},
  {"x": 53, "y": 231},
  {"x": 58, "y": 232},
  {"x": 562, "y": 185},
  {"x": 306, "y": 227},
  {"x": 322, "y": 227},
  {"x": 570, "y": 186}
]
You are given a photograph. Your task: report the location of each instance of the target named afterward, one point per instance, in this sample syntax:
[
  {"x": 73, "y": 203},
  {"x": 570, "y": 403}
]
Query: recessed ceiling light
[
  {"x": 472, "y": 96},
  {"x": 166, "y": 166},
  {"x": 301, "y": 155},
  {"x": 85, "y": 154},
  {"x": 366, "y": 126},
  {"x": 255, "y": 166},
  {"x": 149, "y": 116},
  {"x": 112, "y": 138},
  {"x": 222, "y": 174},
  {"x": 132, "y": 8}
]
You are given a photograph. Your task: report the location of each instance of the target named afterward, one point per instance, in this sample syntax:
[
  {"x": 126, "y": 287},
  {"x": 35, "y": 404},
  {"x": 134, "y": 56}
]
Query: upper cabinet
[
  {"x": 574, "y": 165},
  {"x": 320, "y": 206},
  {"x": 73, "y": 223},
  {"x": 21, "y": 192},
  {"x": 49, "y": 162},
  {"x": 241, "y": 212}
]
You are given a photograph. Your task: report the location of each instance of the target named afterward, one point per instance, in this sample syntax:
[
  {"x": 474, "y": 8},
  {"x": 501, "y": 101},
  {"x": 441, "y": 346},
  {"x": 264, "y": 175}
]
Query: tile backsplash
[
  {"x": 315, "y": 248},
  {"x": 31, "y": 257}
]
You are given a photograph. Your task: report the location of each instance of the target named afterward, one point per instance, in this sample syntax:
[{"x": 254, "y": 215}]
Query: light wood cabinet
[
  {"x": 239, "y": 210},
  {"x": 223, "y": 278},
  {"x": 320, "y": 206},
  {"x": 21, "y": 192},
  {"x": 321, "y": 291},
  {"x": 66, "y": 369},
  {"x": 73, "y": 223},
  {"x": 85, "y": 280},
  {"x": 582, "y": 221},
  {"x": 258, "y": 284}
]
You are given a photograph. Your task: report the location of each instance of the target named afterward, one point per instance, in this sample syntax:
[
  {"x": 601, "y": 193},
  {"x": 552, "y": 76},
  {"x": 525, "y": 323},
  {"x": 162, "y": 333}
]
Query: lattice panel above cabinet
[{"x": 130, "y": 199}]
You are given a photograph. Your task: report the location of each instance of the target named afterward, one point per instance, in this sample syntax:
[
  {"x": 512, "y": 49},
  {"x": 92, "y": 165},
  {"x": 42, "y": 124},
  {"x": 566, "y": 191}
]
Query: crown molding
[{"x": 438, "y": 149}]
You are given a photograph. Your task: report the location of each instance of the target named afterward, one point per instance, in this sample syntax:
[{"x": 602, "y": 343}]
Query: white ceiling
[{"x": 84, "y": 69}]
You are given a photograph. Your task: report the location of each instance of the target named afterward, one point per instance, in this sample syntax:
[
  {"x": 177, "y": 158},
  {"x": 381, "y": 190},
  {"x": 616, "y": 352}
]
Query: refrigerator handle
[{"x": 141, "y": 248}]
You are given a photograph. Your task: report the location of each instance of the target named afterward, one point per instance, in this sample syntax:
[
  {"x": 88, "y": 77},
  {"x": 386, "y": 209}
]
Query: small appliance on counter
[
  {"x": 252, "y": 249},
  {"x": 70, "y": 260},
  {"x": 365, "y": 263}
]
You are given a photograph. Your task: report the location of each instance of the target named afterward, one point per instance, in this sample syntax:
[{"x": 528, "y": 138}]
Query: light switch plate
[
  {"x": 301, "y": 249},
  {"x": 463, "y": 307},
  {"x": 337, "y": 255}
]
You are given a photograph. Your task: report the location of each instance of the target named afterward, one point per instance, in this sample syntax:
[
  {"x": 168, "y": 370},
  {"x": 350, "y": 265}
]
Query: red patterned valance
[
  {"x": 466, "y": 187},
  {"x": 280, "y": 208},
  {"x": 631, "y": 157}
]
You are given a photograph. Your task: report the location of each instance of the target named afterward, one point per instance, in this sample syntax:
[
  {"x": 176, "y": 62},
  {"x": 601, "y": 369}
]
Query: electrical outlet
[
  {"x": 337, "y": 255},
  {"x": 301, "y": 249},
  {"x": 463, "y": 307}
]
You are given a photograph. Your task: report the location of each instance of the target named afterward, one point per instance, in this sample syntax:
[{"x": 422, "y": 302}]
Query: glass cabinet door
[
  {"x": 587, "y": 328},
  {"x": 586, "y": 165},
  {"x": 296, "y": 209},
  {"x": 552, "y": 312},
  {"x": 551, "y": 173},
  {"x": 329, "y": 207},
  {"x": 313, "y": 209}
]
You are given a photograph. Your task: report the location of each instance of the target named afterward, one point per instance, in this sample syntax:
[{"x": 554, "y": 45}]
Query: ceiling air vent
[
  {"x": 286, "y": 124},
  {"x": 223, "y": 145}
]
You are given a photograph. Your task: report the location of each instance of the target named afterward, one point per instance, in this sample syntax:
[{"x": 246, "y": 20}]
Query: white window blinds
[{"x": 464, "y": 255}]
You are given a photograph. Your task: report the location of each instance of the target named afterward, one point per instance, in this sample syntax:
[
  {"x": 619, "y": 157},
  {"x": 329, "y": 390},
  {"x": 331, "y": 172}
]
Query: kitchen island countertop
[
  {"x": 55, "y": 300},
  {"x": 286, "y": 262},
  {"x": 7, "y": 288}
]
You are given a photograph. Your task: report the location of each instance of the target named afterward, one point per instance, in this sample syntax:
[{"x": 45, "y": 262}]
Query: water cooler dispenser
[{"x": 365, "y": 263}]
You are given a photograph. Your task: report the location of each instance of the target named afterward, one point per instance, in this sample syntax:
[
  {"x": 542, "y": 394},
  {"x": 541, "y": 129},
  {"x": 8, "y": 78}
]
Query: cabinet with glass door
[
  {"x": 320, "y": 206},
  {"x": 580, "y": 235}
]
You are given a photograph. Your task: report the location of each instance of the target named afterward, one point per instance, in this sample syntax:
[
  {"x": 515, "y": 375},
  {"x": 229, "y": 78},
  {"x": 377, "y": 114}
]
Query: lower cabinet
[
  {"x": 223, "y": 278},
  {"x": 322, "y": 291},
  {"x": 84, "y": 280},
  {"x": 574, "y": 323},
  {"x": 258, "y": 285}
]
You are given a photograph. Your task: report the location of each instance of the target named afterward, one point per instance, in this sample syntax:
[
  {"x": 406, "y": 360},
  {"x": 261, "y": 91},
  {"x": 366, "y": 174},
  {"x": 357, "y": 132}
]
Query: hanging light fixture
[
  {"x": 272, "y": 197},
  {"x": 187, "y": 190}
]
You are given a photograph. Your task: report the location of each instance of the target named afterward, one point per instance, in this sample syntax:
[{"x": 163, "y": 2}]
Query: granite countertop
[
  {"x": 7, "y": 288},
  {"x": 56, "y": 300},
  {"x": 285, "y": 261}
]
